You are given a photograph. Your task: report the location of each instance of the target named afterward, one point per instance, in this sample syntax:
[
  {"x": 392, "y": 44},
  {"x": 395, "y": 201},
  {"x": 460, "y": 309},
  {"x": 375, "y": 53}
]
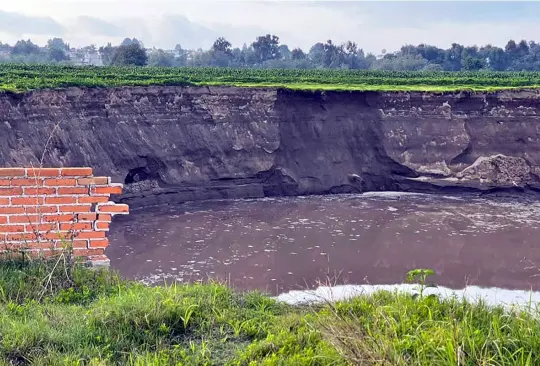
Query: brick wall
[{"x": 43, "y": 211}]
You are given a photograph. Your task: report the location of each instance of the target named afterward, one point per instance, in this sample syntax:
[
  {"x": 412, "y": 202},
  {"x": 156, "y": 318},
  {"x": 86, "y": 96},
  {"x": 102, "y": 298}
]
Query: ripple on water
[{"x": 376, "y": 237}]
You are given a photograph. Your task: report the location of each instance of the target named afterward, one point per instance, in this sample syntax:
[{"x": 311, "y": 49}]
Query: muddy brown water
[{"x": 284, "y": 244}]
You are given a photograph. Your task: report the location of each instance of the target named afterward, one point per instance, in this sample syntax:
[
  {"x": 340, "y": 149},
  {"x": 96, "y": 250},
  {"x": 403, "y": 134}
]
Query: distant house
[
  {"x": 82, "y": 57},
  {"x": 92, "y": 58},
  {"x": 5, "y": 51}
]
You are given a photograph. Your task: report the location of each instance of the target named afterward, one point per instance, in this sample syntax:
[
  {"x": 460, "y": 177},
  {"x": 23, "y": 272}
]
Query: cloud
[
  {"x": 177, "y": 29},
  {"x": 373, "y": 25},
  {"x": 98, "y": 27},
  {"x": 18, "y": 25}
]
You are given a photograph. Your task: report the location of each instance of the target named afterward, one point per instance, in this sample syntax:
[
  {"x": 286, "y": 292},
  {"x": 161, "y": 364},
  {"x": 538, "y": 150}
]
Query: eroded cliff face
[{"x": 183, "y": 143}]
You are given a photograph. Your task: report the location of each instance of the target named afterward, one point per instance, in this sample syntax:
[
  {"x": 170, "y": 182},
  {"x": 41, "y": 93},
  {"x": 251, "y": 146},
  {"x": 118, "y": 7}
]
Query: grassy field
[
  {"x": 59, "y": 314},
  {"x": 18, "y": 78}
]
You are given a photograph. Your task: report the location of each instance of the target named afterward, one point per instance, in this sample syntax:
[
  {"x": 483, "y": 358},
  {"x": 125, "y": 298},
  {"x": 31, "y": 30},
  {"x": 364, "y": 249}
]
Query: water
[{"x": 286, "y": 244}]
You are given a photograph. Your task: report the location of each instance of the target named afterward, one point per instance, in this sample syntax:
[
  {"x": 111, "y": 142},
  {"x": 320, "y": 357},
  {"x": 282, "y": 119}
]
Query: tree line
[{"x": 267, "y": 52}]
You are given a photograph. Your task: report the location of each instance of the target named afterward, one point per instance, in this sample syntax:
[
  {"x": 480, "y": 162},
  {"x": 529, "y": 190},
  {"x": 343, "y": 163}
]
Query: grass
[
  {"x": 93, "y": 317},
  {"x": 20, "y": 78}
]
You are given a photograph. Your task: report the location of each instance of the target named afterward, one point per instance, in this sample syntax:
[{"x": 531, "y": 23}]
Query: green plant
[
  {"x": 419, "y": 276},
  {"x": 20, "y": 77}
]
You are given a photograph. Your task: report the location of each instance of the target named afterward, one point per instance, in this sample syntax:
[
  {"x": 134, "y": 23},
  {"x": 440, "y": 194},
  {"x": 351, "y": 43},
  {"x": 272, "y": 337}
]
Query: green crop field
[{"x": 18, "y": 78}]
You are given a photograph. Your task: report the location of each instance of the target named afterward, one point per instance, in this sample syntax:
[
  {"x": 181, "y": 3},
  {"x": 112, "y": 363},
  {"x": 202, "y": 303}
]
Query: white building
[
  {"x": 84, "y": 57},
  {"x": 93, "y": 59}
]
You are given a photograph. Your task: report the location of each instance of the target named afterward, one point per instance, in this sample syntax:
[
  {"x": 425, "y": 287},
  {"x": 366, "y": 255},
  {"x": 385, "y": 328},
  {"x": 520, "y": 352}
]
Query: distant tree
[
  {"x": 298, "y": 54},
  {"x": 496, "y": 58},
  {"x": 126, "y": 42},
  {"x": 266, "y": 48},
  {"x": 130, "y": 41},
  {"x": 433, "y": 54},
  {"x": 133, "y": 55},
  {"x": 523, "y": 48},
  {"x": 284, "y": 52},
  {"x": 201, "y": 58},
  {"x": 249, "y": 55},
  {"x": 433, "y": 67},
  {"x": 160, "y": 58},
  {"x": 25, "y": 48},
  {"x": 181, "y": 56},
  {"x": 353, "y": 57},
  {"x": 221, "y": 53},
  {"x": 316, "y": 54},
  {"x": 334, "y": 56},
  {"x": 107, "y": 53},
  {"x": 470, "y": 63},
  {"x": 57, "y": 55},
  {"x": 511, "y": 47},
  {"x": 453, "y": 56},
  {"x": 91, "y": 49},
  {"x": 57, "y": 50},
  {"x": 396, "y": 62},
  {"x": 222, "y": 45},
  {"x": 57, "y": 43}
]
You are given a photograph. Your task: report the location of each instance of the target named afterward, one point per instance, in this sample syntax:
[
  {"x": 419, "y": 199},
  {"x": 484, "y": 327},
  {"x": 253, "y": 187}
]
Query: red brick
[
  {"x": 74, "y": 190},
  {"x": 39, "y": 191},
  {"x": 75, "y": 226},
  {"x": 74, "y": 172},
  {"x": 60, "y": 182},
  {"x": 102, "y": 225},
  {"x": 32, "y": 248},
  {"x": 11, "y": 210},
  {"x": 55, "y": 235},
  {"x": 21, "y": 237},
  {"x": 29, "y": 201},
  {"x": 105, "y": 217},
  {"x": 3, "y": 220},
  {"x": 88, "y": 252},
  {"x": 60, "y": 200},
  {"x": 102, "y": 243},
  {"x": 75, "y": 208},
  {"x": 26, "y": 182},
  {"x": 5, "y": 182},
  {"x": 41, "y": 210},
  {"x": 12, "y": 172},
  {"x": 58, "y": 218},
  {"x": 4, "y": 201},
  {"x": 11, "y": 228},
  {"x": 11, "y": 191},
  {"x": 40, "y": 227},
  {"x": 24, "y": 219},
  {"x": 98, "y": 199},
  {"x": 93, "y": 181},
  {"x": 90, "y": 235},
  {"x": 43, "y": 172},
  {"x": 107, "y": 190},
  {"x": 87, "y": 217},
  {"x": 113, "y": 208},
  {"x": 79, "y": 244}
]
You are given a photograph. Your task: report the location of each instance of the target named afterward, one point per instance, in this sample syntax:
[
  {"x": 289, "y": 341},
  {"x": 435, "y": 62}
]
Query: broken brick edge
[{"x": 45, "y": 210}]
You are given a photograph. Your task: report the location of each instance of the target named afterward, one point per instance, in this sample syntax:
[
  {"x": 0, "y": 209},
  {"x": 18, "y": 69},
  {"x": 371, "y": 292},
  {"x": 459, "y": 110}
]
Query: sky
[{"x": 374, "y": 25}]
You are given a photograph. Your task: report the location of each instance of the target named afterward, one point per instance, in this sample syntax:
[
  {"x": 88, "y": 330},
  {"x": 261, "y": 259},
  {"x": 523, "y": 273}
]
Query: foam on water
[{"x": 491, "y": 296}]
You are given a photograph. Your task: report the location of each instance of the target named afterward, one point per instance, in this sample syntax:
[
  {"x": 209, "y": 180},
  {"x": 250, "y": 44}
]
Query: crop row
[{"x": 26, "y": 77}]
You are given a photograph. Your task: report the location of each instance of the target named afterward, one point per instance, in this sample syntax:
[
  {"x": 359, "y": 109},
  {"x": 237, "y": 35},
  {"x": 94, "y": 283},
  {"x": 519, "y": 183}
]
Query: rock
[
  {"x": 172, "y": 144},
  {"x": 499, "y": 171}
]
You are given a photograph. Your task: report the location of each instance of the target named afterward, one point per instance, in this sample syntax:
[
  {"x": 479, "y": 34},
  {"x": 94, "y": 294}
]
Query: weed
[
  {"x": 95, "y": 318},
  {"x": 419, "y": 276}
]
